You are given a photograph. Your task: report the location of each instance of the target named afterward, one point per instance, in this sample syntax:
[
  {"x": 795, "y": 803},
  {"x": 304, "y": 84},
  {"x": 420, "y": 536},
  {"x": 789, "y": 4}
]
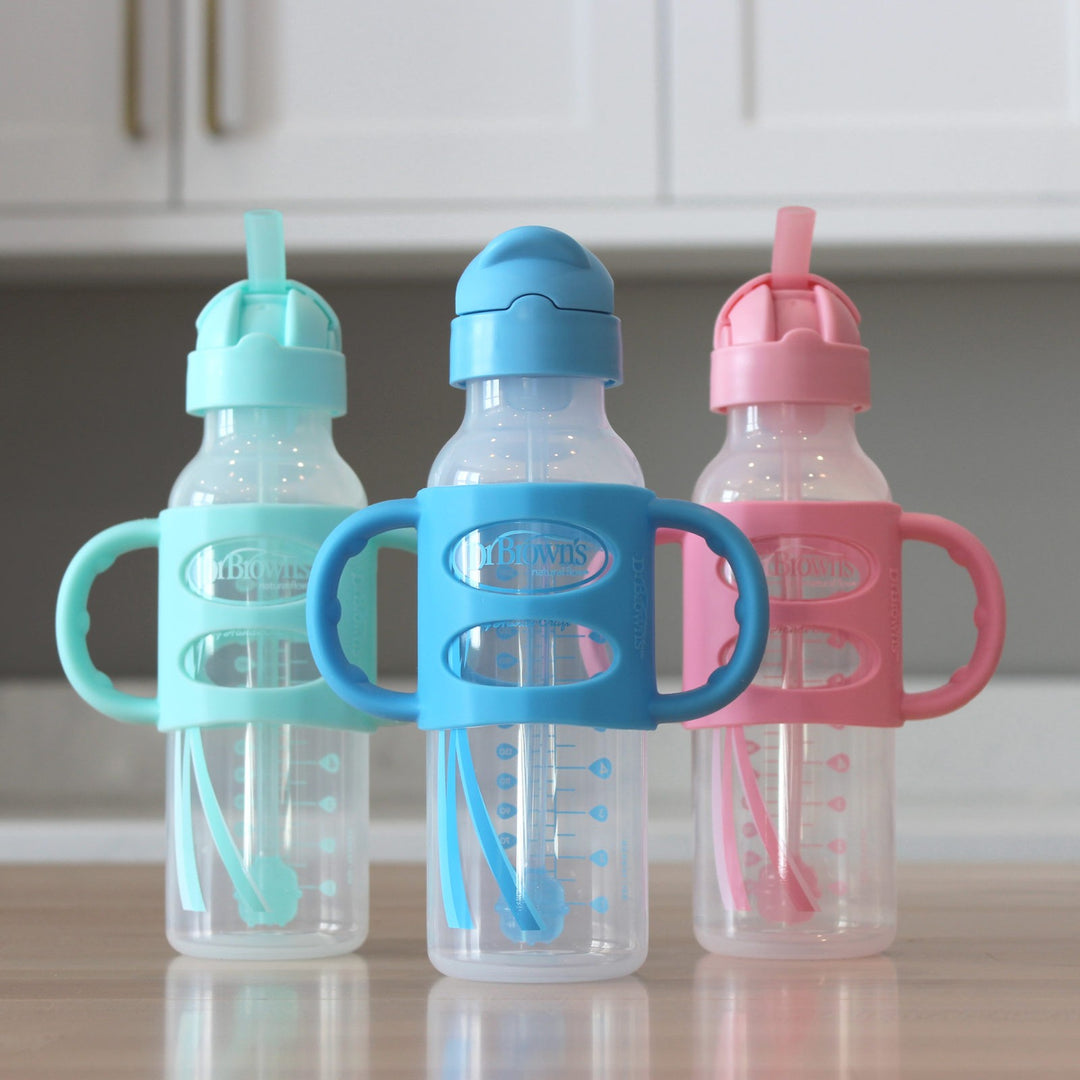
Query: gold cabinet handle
[
  {"x": 213, "y": 70},
  {"x": 132, "y": 119},
  {"x": 226, "y": 34}
]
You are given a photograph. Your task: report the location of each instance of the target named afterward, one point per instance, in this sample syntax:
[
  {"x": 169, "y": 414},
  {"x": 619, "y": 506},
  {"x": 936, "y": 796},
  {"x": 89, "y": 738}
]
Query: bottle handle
[
  {"x": 381, "y": 525},
  {"x": 73, "y": 620},
  {"x": 966, "y": 550},
  {"x": 672, "y": 518}
]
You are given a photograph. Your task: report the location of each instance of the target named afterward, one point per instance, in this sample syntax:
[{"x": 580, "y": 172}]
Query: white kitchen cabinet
[
  {"x": 923, "y": 102},
  {"x": 340, "y": 102},
  {"x": 83, "y": 102},
  {"x": 939, "y": 134}
]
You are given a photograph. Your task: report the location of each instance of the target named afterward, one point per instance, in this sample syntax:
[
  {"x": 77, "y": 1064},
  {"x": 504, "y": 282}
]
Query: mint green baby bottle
[{"x": 267, "y": 775}]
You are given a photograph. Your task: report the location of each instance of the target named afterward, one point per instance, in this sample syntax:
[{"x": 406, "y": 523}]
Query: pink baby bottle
[{"x": 794, "y": 783}]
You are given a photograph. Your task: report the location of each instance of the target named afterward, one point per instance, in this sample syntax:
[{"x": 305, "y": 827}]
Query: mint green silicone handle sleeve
[
  {"x": 199, "y": 601},
  {"x": 73, "y": 620}
]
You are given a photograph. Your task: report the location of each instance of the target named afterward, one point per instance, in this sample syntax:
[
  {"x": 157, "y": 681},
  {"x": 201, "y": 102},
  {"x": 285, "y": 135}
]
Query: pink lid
[{"x": 789, "y": 335}]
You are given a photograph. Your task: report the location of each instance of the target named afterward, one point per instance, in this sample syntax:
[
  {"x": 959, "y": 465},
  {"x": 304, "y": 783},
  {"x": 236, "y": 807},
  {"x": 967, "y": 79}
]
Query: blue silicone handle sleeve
[
  {"x": 324, "y": 610},
  {"x": 751, "y": 610}
]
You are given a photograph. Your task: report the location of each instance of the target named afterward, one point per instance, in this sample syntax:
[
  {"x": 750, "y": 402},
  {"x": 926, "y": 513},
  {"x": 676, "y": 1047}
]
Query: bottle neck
[
  {"x": 792, "y": 427},
  {"x": 547, "y": 400},
  {"x": 267, "y": 427},
  {"x": 535, "y": 428}
]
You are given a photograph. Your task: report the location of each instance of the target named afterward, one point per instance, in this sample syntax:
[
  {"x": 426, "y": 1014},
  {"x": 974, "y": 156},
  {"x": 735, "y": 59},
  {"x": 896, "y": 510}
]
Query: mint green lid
[{"x": 267, "y": 341}]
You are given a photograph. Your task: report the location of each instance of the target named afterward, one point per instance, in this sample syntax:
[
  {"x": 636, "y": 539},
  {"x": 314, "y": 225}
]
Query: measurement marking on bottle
[
  {"x": 327, "y": 888},
  {"x": 327, "y": 803},
  {"x": 597, "y": 858},
  {"x": 600, "y": 905},
  {"x": 330, "y": 763}
]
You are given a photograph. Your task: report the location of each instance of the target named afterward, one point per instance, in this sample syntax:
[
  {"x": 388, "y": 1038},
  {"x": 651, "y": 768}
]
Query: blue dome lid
[
  {"x": 535, "y": 302},
  {"x": 266, "y": 341}
]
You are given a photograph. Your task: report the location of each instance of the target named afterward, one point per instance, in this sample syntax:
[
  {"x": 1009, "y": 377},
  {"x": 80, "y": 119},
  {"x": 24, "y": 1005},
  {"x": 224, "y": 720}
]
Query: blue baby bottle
[
  {"x": 536, "y": 672},
  {"x": 565, "y": 803},
  {"x": 267, "y": 776}
]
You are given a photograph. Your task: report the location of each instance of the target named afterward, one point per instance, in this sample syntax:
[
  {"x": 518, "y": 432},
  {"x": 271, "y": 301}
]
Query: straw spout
[{"x": 264, "y": 231}]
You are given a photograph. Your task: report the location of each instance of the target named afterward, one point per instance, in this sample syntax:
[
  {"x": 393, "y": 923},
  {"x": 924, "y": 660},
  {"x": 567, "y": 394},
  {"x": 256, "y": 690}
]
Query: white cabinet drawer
[
  {"x": 345, "y": 102},
  {"x": 83, "y": 102},
  {"x": 875, "y": 100}
]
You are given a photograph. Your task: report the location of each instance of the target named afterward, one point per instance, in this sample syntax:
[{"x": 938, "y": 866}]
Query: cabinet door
[
  {"x": 83, "y": 111},
  {"x": 362, "y": 100},
  {"x": 942, "y": 99}
]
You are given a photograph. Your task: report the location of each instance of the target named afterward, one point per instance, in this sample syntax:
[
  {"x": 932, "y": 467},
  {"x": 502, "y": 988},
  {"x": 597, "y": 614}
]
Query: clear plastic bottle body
[
  {"x": 568, "y": 802},
  {"x": 794, "y": 836},
  {"x": 293, "y": 798}
]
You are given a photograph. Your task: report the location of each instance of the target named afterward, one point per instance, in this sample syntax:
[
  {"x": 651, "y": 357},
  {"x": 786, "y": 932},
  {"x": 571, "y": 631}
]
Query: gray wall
[{"x": 976, "y": 390}]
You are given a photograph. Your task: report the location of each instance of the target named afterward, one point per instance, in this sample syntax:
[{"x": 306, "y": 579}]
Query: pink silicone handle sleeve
[{"x": 966, "y": 551}]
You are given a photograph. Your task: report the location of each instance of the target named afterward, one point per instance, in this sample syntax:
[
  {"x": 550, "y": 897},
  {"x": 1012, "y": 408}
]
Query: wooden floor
[{"x": 983, "y": 981}]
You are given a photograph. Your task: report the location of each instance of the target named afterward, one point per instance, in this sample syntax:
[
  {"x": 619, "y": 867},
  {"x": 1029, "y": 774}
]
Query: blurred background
[{"x": 938, "y": 140}]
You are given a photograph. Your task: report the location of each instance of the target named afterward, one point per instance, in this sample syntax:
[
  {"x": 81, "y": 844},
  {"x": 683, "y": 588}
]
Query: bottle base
[
  {"x": 532, "y": 968},
  {"x": 266, "y": 946},
  {"x": 797, "y": 944}
]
